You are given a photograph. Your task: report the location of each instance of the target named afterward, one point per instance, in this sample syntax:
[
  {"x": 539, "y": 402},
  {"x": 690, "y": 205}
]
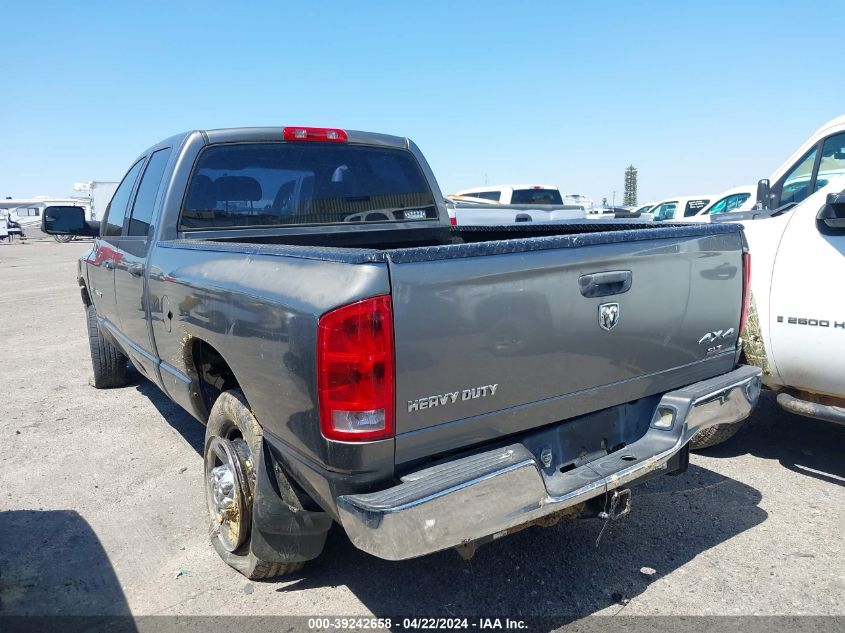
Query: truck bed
[{"x": 502, "y": 306}]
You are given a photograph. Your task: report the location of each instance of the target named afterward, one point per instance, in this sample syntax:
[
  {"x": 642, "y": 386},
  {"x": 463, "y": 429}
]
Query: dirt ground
[{"x": 102, "y": 510}]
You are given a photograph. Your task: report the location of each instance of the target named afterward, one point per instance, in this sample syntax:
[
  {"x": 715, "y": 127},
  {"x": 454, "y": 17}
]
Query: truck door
[
  {"x": 102, "y": 261},
  {"x": 130, "y": 272},
  {"x": 807, "y": 318}
]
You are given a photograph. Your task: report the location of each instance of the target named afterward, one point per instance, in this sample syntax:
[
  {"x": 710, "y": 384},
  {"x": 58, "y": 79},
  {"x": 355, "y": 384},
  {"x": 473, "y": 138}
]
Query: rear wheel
[
  {"x": 232, "y": 444},
  {"x": 715, "y": 435},
  {"x": 108, "y": 362},
  {"x": 63, "y": 239}
]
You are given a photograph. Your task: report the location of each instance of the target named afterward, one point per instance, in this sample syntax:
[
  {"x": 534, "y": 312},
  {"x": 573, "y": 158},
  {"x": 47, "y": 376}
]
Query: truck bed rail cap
[
  {"x": 515, "y": 244},
  {"x": 322, "y": 253}
]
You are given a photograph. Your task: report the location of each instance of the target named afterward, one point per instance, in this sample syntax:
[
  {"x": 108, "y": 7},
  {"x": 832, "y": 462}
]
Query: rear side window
[
  {"x": 142, "y": 210},
  {"x": 694, "y": 207},
  {"x": 495, "y": 196},
  {"x": 116, "y": 210},
  {"x": 287, "y": 184},
  {"x": 536, "y": 196},
  {"x": 729, "y": 203}
]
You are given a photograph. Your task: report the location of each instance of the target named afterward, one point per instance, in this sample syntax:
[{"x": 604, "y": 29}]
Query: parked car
[
  {"x": 817, "y": 162},
  {"x": 9, "y": 228},
  {"x": 796, "y": 331},
  {"x": 679, "y": 208},
  {"x": 357, "y": 360},
  {"x": 797, "y": 326}
]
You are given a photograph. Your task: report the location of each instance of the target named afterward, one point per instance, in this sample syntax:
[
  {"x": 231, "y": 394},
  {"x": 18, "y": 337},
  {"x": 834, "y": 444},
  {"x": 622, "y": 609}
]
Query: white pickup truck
[
  {"x": 796, "y": 237},
  {"x": 508, "y": 204}
]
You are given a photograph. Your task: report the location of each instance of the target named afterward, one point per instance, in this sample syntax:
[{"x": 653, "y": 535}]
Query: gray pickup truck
[{"x": 358, "y": 360}]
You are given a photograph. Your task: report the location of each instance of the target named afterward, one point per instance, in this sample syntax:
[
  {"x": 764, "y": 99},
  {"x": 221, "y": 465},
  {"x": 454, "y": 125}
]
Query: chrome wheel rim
[{"x": 227, "y": 491}]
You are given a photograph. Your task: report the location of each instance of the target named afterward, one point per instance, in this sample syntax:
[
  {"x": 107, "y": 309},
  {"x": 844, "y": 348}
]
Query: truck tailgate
[{"x": 495, "y": 338}]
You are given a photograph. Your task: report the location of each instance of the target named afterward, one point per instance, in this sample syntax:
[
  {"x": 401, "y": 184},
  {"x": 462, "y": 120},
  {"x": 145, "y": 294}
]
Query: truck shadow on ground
[
  {"x": 802, "y": 445},
  {"x": 557, "y": 572},
  {"x": 52, "y": 564},
  {"x": 180, "y": 420}
]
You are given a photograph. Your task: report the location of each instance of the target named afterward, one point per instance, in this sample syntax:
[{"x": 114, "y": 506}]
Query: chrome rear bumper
[{"x": 493, "y": 492}]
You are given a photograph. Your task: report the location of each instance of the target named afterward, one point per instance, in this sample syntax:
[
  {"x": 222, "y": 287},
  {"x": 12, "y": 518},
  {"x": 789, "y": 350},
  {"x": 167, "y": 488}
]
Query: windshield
[
  {"x": 283, "y": 184},
  {"x": 536, "y": 196}
]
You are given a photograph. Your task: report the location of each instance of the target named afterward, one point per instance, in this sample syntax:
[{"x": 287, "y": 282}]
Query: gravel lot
[{"x": 101, "y": 506}]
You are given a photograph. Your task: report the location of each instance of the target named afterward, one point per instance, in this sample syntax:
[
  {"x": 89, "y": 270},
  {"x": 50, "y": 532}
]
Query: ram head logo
[{"x": 608, "y": 315}]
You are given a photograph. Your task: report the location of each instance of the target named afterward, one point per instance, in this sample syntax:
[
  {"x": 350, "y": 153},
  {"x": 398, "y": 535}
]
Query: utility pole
[{"x": 630, "y": 197}]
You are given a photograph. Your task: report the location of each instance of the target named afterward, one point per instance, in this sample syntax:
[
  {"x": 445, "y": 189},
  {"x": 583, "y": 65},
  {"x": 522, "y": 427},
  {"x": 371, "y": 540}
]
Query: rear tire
[
  {"x": 715, "y": 435},
  {"x": 231, "y": 424},
  {"x": 108, "y": 361},
  {"x": 63, "y": 239}
]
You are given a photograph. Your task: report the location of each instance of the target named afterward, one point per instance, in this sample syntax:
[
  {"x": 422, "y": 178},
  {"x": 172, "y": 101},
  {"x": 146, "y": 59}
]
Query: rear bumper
[{"x": 490, "y": 493}]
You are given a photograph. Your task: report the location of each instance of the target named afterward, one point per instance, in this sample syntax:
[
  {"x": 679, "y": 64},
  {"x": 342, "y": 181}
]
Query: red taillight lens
[
  {"x": 325, "y": 134},
  {"x": 746, "y": 290},
  {"x": 355, "y": 371},
  {"x": 453, "y": 221}
]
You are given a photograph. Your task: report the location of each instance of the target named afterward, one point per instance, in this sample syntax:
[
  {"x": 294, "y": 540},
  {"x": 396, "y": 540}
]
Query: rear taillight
[
  {"x": 325, "y": 134},
  {"x": 453, "y": 221},
  {"x": 746, "y": 290},
  {"x": 355, "y": 371}
]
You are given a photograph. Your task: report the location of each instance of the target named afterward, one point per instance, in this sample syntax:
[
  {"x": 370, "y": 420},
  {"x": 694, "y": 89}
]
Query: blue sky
[{"x": 699, "y": 96}]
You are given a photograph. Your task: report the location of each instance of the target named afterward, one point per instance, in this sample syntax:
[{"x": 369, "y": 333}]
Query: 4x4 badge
[{"x": 608, "y": 315}]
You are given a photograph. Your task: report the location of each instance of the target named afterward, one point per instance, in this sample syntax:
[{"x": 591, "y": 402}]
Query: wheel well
[{"x": 212, "y": 371}]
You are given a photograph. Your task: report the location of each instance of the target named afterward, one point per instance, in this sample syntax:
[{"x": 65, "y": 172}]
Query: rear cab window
[
  {"x": 536, "y": 196},
  {"x": 291, "y": 184}
]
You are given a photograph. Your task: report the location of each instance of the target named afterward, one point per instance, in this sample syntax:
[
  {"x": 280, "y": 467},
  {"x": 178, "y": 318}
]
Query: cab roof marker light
[{"x": 321, "y": 134}]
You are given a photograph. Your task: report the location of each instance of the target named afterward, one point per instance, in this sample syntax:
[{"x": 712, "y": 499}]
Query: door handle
[
  {"x": 108, "y": 264},
  {"x": 612, "y": 282},
  {"x": 136, "y": 270}
]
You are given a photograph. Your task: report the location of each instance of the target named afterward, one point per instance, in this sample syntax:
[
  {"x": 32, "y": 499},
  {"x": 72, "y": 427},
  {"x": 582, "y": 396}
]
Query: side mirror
[
  {"x": 67, "y": 221},
  {"x": 764, "y": 194},
  {"x": 833, "y": 212}
]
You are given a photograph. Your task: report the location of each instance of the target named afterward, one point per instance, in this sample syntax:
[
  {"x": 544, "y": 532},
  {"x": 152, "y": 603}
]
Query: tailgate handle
[{"x": 612, "y": 282}]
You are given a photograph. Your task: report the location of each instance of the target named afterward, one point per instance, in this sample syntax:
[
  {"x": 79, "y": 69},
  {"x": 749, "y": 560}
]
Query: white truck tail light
[{"x": 355, "y": 383}]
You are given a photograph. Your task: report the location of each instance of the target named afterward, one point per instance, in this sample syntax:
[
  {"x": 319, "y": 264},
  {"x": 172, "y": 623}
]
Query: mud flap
[{"x": 282, "y": 532}]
